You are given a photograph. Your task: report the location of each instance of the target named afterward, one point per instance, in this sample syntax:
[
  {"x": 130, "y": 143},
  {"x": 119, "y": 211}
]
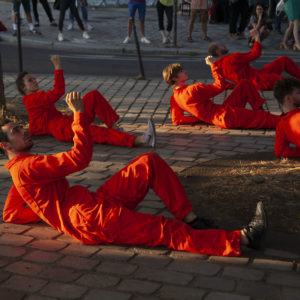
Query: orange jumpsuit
[
  {"x": 44, "y": 118},
  {"x": 195, "y": 99},
  {"x": 236, "y": 67},
  {"x": 288, "y": 132},
  {"x": 107, "y": 215}
]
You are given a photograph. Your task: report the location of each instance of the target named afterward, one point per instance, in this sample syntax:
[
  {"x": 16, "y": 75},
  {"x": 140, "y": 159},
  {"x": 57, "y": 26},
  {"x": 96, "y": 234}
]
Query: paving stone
[
  {"x": 225, "y": 296},
  {"x": 59, "y": 274},
  {"x": 48, "y": 245},
  {"x": 187, "y": 255},
  {"x": 4, "y": 276},
  {"x": 281, "y": 253},
  {"x": 80, "y": 250},
  {"x": 215, "y": 283},
  {"x": 243, "y": 273},
  {"x": 114, "y": 254},
  {"x": 98, "y": 281},
  {"x": 80, "y": 263},
  {"x": 24, "y": 268},
  {"x": 258, "y": 290},
  {"x": 23, "y": 283},
  {"x": 11, "y": 295},
  {"x": 43, "y": 232},
  {"x": 292, "y": 280},
  {"x": 37, "y": 297},
  {"x": 9, "y": 251},
  {"x": 63, "y": 290},
  {"x": 13, "y": 228},
  {"x": 14, "y": 239},
  {"x": 197, "y": 267},
  {"x": 138, "y": 286},
  {"x": 151, "y": 260},
  {"x": 290, "y": 294},
  {"x": 229, "y": 260},
  {"x": 163, "y": 276},
  {"x": 42, "y": 256},
  {"x": 180, "y": 293},
  {"x": 106, "y": 295},
  {"x": 4, "y": 261},
  {"x": 272, "y": 264},
  {"x": 116, "y": 268}
]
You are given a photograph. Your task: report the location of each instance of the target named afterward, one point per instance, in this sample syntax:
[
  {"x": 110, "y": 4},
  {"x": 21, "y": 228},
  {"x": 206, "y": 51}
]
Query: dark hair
[
  {"x": 212, "y": 49},
  {"x": 171, "y": 71},
  {"x": 20, "y": 82},
  {"x": 3, "y": 135},
  {"x": 285, "y": 87},
  {"x": 259, "y": 4}
]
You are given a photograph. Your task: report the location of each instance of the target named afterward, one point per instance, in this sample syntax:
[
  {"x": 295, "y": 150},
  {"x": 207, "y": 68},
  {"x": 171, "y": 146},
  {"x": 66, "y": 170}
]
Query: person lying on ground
[
  {"x": 40, "y": 191},
  {"x": 45, "y": 119}
]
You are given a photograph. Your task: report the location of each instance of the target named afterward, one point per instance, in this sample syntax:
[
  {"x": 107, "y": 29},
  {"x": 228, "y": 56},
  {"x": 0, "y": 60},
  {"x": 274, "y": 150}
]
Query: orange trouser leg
[
  {"x": 96, "y": 104},
  {"x": 244, "y": 92}
]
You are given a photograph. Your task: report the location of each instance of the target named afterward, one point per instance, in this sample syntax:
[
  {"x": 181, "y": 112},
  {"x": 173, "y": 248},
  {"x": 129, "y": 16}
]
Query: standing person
[
  {"x": 47, "y": 9},
  {"x": 238, "y": 8},
  {"x": 200, "y": 6},
  {"x": 44, "y": 118},
  {"x": 64, "y": 5},
  {"x": 134, "y": 5},
  {"x": 236, "y": 66},
  {"x": 41, "y": 191},
  {"x": 165, "y": 6},
  {"x": 84, "y": 11},
  {"x": 196, "y": 100},
  {"x": 292, "y": 9},
  {"x": 16, "y": 8}
]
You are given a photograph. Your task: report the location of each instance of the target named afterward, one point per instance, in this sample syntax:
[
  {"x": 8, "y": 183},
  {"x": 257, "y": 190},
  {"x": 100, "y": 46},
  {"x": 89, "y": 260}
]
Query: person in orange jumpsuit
[
  {"x": 107, "y": 215},
  {"x": 44, "y": 118},
  {"x": 236, "y": 66},
  {"x": 287, "y": 137},
  {"x": 195, "y": 99}
]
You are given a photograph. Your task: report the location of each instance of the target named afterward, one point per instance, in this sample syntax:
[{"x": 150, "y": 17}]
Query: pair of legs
[
  {"x": 95, "y": 105},
  {"x": 46, "y": 7},
  {"x": 132, "y": 7},
  {"x": 121, "y": 194},
  {"x": 16, "y": 8},
  {"x": 204, "y": 20},
  {"x": 161, "y": 9},
  {"x": 239, "y": 8},
  {"x": 292, "y": 28}
]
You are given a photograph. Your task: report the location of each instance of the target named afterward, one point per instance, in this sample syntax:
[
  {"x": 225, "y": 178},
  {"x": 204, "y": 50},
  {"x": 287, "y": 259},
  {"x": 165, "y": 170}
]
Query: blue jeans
[{"x": 84, "y": 12}]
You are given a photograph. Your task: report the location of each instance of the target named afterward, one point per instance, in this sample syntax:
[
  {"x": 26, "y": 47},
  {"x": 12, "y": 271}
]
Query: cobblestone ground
[{"x": 37, "y": 262}]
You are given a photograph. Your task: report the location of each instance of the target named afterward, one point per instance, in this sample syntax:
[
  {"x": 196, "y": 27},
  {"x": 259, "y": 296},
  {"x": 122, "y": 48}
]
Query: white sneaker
[
  {"x": 89, "y": 27},
  {"x": 164, "y": 40},
  {"x": 60, "y": 37},
  {"x": 126, "y": 41},
  {"x": 70, "y": 26},
  {"x": 145, "y": 40},
  {"x": 85, "y": 35},
  {"x": 150, "y": 134}
]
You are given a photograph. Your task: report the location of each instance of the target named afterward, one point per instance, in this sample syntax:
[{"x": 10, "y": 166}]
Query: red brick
[
  {"x": 13, "y": 228},
  {"x": 48, "y": 245},
  {"x": 98, "y": 281},
  {"x": 15, "y": 239},
  {"x": 11, "y": 251},
  {"x": 23, "y": 283},
  {"x": 43, "y": 256},
  {"x": 80, "y": 263},
  {"x": 80, "y": 250},
  {"x": 11, "y": 295},
  {"x": 59, "y": 274},
  {"x": 24, "y": 268},
  {"x": 43, "y": 232},
  {"x": 63, "y": 290}
]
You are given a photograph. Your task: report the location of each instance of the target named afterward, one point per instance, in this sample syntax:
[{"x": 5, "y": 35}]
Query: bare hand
[
  {"x": 55, "y": 59},
  {"x": 74, "y": 102},
  {"x": 209, "y": 60}
]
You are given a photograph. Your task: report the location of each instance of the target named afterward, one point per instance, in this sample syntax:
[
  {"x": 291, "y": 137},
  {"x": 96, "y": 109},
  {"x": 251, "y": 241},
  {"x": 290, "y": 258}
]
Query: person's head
[
  {"x": 174, "y": 74},
  {"x": 258, "y": 9},
  {"x": 14, "y": 139},
  {"x": 26, "y": 83},
  {"x": 217, "y": 49},
  {"x": 287, "y": 90}
]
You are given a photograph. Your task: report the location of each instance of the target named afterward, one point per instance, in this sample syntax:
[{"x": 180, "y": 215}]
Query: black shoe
[
  {"x": 202, "y": 223},
  {"x": 257, "y": 227},
  {"x": 15, "y": 33}
]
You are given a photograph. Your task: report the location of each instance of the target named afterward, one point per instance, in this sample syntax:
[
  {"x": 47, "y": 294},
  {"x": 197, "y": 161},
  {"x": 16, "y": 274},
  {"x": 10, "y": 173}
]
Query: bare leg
[
  {"x": 142, "y": 27},
  {"x": 192, "y": 21},
  {"x": 296, "y": 33},
  {"x": 287, "y": 33},
  {"x": 129, "y": 29},
  {"x": 204, "y": 19}
]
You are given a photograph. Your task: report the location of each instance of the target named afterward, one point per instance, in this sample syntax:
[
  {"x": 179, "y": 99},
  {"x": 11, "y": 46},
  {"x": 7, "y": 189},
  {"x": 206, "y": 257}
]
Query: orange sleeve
[
  {"x": 16, "y": 210},
  {"x": 178, "y": 116},
  {"x": 255, "y": 53},
  {"x": 47, "y": 168},
  {"x": 282, "y": 144}
]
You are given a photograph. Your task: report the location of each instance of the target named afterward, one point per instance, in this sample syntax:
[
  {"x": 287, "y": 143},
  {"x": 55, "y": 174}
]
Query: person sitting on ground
[
  {"x": 236, "y": 66},
  {"x": 195, "y": 100},
  {"x": 40, "y": 191},
  {"x": 44, "y": 118},
  {"x": 261, "y": 22},
  {"x": 287, "y": 138}
]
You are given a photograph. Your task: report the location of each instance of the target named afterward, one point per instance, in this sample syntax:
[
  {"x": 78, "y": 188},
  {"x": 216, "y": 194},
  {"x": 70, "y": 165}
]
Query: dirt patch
[{"x": 226, "y": 190}]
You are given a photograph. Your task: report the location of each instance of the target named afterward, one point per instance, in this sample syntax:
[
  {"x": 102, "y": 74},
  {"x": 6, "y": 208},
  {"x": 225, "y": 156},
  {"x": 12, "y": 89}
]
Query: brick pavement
[{"x": 37, "y": 262}]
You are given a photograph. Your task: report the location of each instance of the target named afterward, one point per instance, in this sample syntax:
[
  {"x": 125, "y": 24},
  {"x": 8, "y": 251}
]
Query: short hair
[
  {"x": 212, "y": 49},
  {"x": 20, "y": 82},
  {"x": 3, "y": 135},
  {"x": 285, "y": 87},
  {"x": 171, "y": 71}
]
